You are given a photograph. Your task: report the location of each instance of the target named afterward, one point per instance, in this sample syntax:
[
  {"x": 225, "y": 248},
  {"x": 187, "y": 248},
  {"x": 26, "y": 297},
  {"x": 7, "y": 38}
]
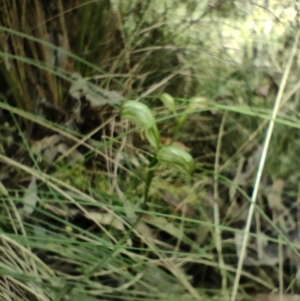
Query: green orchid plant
[{"x": 142, "y": 117}]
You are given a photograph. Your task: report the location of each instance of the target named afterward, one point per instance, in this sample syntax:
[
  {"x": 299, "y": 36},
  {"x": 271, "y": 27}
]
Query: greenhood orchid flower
[
  {"x": 176, "y": 157},
  {"x": 141, "y": 116},
  {"x": 168, "y": 101}
]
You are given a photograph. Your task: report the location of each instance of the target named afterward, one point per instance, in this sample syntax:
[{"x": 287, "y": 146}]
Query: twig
[{"x": 218, "y": 237}]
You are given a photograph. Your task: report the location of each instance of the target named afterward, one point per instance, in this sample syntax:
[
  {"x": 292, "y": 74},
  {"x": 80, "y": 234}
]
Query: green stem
[{"x": 149, "y": 178}]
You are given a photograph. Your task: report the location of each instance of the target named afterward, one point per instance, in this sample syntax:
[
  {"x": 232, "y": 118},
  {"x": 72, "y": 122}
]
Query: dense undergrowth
[{"x": 84, "y": 214}]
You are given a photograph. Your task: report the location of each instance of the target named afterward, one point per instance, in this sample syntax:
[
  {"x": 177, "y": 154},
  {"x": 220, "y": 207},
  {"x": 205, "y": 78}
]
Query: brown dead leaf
[
  {"x": 50, "y": 146},
  {"x": 30, "y": 198},
  {"x": 242, "y": 176},
  {"x": 106, "y": 219},
  {"x": 95, "y": 95},
  {"x": 281, "y": 214},
  {"x": 162, "y": 224},
  {"x": 72, "y": 154},
  {"x": 47, "y": 147},
  {"x": 182, "y": 207},
  {"x": 53, "y": 57},
  {"x": 274, "y": 195},
  {"x": 168, "y": 141},
  {"x": 263, "y": 90},
  {"x": 3, "y": 176},
  {"x": 130, "y": 212}
]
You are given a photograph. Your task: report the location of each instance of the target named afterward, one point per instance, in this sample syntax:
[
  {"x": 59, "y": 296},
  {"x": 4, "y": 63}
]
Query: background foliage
[{"x": 74, "y": 221}]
